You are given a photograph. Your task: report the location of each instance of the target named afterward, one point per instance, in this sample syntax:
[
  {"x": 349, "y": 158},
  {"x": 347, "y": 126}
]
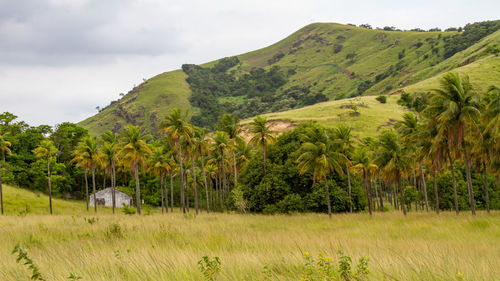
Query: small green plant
[
  {"x": 114, "y": 231},
  {"x": 22, "y": 255},
  {"x": 323, "y": 268},
  {"x": 128, "y": 211},
  {"x": 210, "y": 267},
  {"x": 74, "y": 276},
  {"x": 91, "y": 220},
  {"x": 460, "y": 276}
]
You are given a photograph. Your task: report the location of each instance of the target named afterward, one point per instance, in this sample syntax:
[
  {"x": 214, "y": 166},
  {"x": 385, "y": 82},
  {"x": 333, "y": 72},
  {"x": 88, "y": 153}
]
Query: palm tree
[
  {"x": 456, "y": 108},
  {"x": 319, "y": 156},
  {"x": 47, "y": 150},
  {"x": 158, "y": 165},
  {"x": 4, "y": 148},
  {"x": 200, "y": 143},
  {"x": 364, "y": 164},
  {"x": 411, "y": 130},
  {"x": 221, "y": 143},
  {"x": 109, "y": 155},
  {"x": 393, "y": 158},
  {"x": 134, "y": 151},
  {"x": 87, "y": 156},
  {"x": 231, "y": 125},
  {"x": 343, "y": 138},
  {"x": 178, "y": 131},
  {"x": 262, "y": 135}
]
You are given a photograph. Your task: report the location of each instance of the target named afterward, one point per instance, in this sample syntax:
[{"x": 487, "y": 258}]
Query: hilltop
[{"x": 320, "y": 62}]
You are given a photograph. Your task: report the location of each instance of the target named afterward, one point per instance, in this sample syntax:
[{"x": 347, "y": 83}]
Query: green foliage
[
  {"x": 74, "y": 276},
  {"x": 283, "y": 190},
  {"x": 471, "y": 34},
  {"x": 128, "y": 211},
  {"x": 210, "y": 267},
  {"x": 382, "y": 99},
  {"x": 324, "y": 269},
  {"x": 114, "y": 231},
  {"x": 22, "y": 255},
  {"x": 238, "y": 199}
]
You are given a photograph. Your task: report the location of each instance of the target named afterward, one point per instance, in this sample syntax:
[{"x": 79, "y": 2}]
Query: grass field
[
  {"x": 421, "y": 246},
  {"x": 373, "y": 115}
]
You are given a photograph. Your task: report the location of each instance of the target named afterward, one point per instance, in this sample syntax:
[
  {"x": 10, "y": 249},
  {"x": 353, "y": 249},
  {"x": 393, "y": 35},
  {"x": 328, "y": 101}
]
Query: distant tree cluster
[
  {"x": 250, "y": 93},
  {"x": 472, "y": 33}
]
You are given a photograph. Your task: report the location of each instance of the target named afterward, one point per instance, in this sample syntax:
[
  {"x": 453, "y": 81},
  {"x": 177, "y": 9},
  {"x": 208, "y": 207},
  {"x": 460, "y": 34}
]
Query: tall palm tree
[
  {"x": 365, "y": 165},
  {"x": 456, "y": 109},
  {"x": 4, "y": 148},
  {"x": 343, "y": 138},
  {"x": 178, "y": 131},
  {"x": 393, "y": 158},
  {"x": 109, "y": 155},
  {"x": 158, "y": 165},
  {"x": 134, "y": 151},
  {"x": 87, "y": 156},
  {"x": 262, "y": 135},
  {"x": 221, "y": 143},
  {"x": 319, "y": 156},
  {"x": 200, "y": 143},
  {"x": 231, "y": 125},
  {"x": 47, "y": 150}
]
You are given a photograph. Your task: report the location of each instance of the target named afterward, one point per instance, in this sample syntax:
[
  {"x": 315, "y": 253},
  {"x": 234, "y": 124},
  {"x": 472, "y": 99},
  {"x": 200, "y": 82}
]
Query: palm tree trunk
[
  {"x": 50, "y": 185},
  {"x": 195, "y": 189},
  {"x": 374, "y": 181},
  {"x": 395, "y": 196},
  {"x": 224, "y": 185},
  {"x": 455, "y": 197},
  {"x": 435, "y": 190},
  {"x": 264, "y": 148},
  {"x": 186, "y": 192},
  {"x": 204, "y": 179},
  {"x": 367, "y": 188},
  {"x": 403, "y": 205},
  {"x": 93, "y": 189},
  {"x": 113, "y": 185},
  {"x": 349, "y": 188},
  {"x": 424, "y": 184},
  {"x": 469, "y": 180},
  {"x": 327, "y": 191},
  {"x": 181, "y": 178},
  {"x": 485, "y": 188},
  {"x": 87, "y": 189},
  {"x": 166, "y": 193},
  {"x": 1, "y": 190},
  {"x": 381, "y": 193},
  {"x": 161, "y": 190},
  {"x": 171, "y": 192},
  {"x": 235, "y": 171},
  {"x": 137, "y": 189}
]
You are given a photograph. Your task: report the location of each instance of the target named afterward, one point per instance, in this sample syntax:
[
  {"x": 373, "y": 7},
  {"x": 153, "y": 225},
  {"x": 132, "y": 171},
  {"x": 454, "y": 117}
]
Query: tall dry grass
[{"x": 167, "y": 247}]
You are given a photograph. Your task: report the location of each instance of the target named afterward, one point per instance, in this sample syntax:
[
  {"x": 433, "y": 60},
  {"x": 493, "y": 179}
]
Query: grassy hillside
[
  {"x": 420, "y": 246},
  {"x": 338, "y": 61},
  {"x": 373, "y": 115},
  {"x": 16, "y": 199}
]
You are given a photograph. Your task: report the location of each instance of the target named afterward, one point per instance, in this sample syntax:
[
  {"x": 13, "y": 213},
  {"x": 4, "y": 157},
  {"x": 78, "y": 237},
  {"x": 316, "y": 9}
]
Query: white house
[{"x": 105, "y": 198}]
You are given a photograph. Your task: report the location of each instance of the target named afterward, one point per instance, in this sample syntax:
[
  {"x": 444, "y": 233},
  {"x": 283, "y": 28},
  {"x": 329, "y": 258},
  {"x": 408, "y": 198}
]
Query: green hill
[
  {"x": 318, "y": 62},
  {"x": 16, "y": 201}
]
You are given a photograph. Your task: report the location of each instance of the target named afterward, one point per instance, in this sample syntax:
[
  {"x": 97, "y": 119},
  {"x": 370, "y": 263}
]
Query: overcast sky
[{"x": 59, "y": 59}]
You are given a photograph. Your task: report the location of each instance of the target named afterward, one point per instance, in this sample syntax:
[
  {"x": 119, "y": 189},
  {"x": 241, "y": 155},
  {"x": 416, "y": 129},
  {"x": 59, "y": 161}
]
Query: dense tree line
[
  {"x": 443, "y": 155},
  {"x": 471, "y": 34},
  {"x": 225, "y": 88}
]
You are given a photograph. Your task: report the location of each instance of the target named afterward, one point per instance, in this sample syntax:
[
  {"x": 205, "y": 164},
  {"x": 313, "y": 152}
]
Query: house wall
[{"x": 105, "y": 196}]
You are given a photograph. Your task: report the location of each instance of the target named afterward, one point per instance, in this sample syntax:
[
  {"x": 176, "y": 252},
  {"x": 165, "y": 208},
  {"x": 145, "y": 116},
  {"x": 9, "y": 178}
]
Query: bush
[
  {"x": 128, "y": 211},
  {"x": 382, "y": 99}
]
